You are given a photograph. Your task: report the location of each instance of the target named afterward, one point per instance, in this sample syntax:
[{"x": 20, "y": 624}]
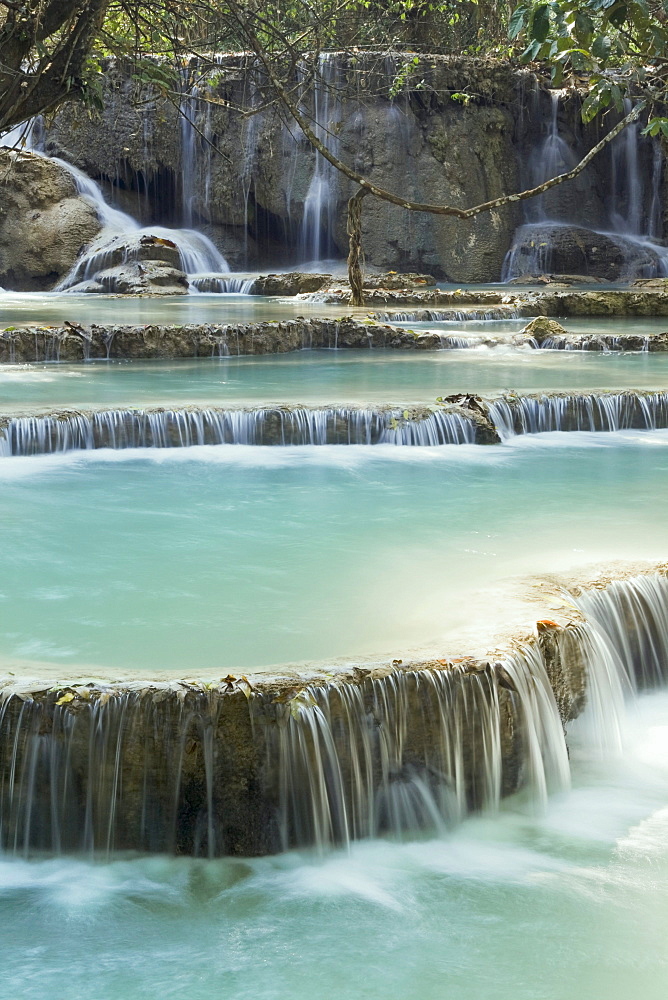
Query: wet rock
[
  {"x": 562, "y": 280},
  {"x": 292, "y": 283},
  {"x": 391, "y": 280},
  {"x": 44, "y": 223},
  {"x": 135, "y": 277},
  {"x": 659, "y": 284},
  {"x": 546, "y": 248},
  {"x": 637, "y": 302},
  {"x": 542, "y": 327}
]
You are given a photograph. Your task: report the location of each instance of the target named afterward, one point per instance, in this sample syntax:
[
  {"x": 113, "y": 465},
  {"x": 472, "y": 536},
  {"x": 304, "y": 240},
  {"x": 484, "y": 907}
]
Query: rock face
[
  {"x": 292, "y": 283},
  {"x": 44, "y": 222},
  {"x": 574, "y": 250},
  {"x": 255, "y": 186}
]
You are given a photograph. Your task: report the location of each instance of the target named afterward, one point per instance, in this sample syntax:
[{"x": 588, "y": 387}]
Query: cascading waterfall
[
  {"x": 500, "y": 313},
  {"x": 417, "y": 750},
  {"x": 39, "y": 435},
  {"x": 244, "y": 770},
  {"x": 197, "y": 253},
  {"x": 168, "y": 428},
  {"x": 237, "y": 285},
  {"x": 634, "y": 214},
  {"x": 579, "y": 412}
]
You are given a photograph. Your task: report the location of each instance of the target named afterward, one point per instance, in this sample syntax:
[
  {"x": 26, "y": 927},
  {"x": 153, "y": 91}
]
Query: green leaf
[
  {"x": 531, "y": 51},
  {"x": 517, "y": 21},
  {"x": 617, "y": 98},
  {"x": 540, "y": 23},
  {"x": 618, "y": 15},
  {"x": 590, "y": 107},
  {"x": 584, "y": 27},
  {"x": 601, "y": 47}
]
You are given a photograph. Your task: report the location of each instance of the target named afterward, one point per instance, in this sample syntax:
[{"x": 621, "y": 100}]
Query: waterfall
[
  {"x": 417, "y": 750},
  {"x": 318, "y": 220},
  {"x": 634, "y": 210},
  {"x": 197, "y": 253},
  {"x": 628, "y": 194},
  {"x": 578, "y": 412},
  {"x": 344, "y": 425},
  {"x": 552, "y": 157},
  {"x": 152, "y": 770},
  {"x": 189, "y": 137},
  {"x": 39, "y": 435},
  {"x": 239, "y": 769},
  {"x": 233, "y": 285}
]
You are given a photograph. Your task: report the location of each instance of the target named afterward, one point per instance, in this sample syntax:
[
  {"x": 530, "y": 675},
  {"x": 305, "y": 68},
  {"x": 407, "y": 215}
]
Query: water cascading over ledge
[
  {"x": 461, "y": 419},
  {"x": 239, "y": 769}
]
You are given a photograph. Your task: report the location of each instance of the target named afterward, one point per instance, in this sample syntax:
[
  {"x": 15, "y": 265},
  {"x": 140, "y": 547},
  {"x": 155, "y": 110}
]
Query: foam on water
[{"x": 452, "y": 914}]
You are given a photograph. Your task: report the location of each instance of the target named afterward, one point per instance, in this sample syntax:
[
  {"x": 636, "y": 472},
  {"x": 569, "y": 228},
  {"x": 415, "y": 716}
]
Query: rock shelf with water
[
  {"x": 460, "y": 419},
  {"x": 254, "y": 766},
  {"x": 72, "y": 342}
]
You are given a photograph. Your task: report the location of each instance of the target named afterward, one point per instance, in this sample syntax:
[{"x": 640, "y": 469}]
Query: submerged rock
[{"x": 44, "y": 222}]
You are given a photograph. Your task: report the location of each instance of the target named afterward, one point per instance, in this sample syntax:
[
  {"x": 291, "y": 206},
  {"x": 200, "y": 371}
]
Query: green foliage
[
  {"x": 656, "y": 126},
  {"x": 404, "y": 77},
  {"x": 619, "y": 46}
]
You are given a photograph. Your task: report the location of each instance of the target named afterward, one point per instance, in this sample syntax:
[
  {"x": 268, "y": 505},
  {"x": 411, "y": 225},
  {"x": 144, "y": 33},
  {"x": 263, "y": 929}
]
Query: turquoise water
[
  {"x": 324, "y": 377},
  {"x": 206, "y": 559},
  {"x": 55, "y": 307},
  {"x": 573, "y": 906}
]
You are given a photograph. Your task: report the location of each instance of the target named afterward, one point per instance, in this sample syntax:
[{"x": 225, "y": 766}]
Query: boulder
[
  {"x": 111, "y": 260},
  {"x": 549, "y": 248},
  {"x": 543, "y": 328},
  {"x": 293, "y": 283},
  {"x": 44, "y": 222},
  {"x": 135, "y": 277}
]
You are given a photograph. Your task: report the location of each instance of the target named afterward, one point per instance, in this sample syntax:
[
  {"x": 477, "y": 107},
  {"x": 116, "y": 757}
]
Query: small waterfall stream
[
  {"x": 316, "y": 237},
  {"x": 605, "y": 411}
]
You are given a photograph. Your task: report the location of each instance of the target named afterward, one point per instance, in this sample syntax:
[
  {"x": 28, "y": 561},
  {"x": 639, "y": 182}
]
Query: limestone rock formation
[
  {"x": 136, "y": 277},
  {"x": 134, "y": 264},
  {"x": 44, "y": 222},
  {"x": 292, "y": 283},
  {"x": 542, "y": 327},
  {"x": 251, "y": 198}
]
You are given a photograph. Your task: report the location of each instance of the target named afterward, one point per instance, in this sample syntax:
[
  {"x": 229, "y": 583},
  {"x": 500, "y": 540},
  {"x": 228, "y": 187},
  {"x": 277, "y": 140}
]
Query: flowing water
[
  {"x": 571, "y": 904},
  {"x": 195, "y": 561},
  {"x": 198, "y": 560}
]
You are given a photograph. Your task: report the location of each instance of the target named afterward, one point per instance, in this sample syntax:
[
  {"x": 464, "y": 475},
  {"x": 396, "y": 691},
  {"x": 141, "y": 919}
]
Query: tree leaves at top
[{"x": 618, "y": 47}]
